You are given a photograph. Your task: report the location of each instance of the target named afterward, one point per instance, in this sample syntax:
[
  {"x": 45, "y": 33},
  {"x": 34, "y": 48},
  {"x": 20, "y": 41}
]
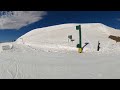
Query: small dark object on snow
[
  {"x": 85, "y": 45},
  {"x": 70, "y": 38},
  {"x": 98, "y": 48},
  {"x": 116, "y": 38}
]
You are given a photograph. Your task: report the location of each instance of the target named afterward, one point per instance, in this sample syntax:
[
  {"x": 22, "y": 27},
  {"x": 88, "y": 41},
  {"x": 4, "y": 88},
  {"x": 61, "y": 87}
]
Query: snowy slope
[
  {"x": 55, "y": 38},
  {"x": 23, "y": 62},
  {"x": 27, "y": 60}
]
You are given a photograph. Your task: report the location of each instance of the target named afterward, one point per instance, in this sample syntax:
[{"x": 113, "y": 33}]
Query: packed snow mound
[
  {"x": 5, "y": 46},
  {"x": 55, "y": 38}
]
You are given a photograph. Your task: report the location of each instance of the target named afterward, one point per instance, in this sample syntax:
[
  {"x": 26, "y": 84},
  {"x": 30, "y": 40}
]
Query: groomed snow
[
  {"x": 23, "y": 62},
  {"x": 45, "y": 53}
]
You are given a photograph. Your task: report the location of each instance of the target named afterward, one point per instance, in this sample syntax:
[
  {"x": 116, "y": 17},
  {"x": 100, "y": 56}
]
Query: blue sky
[{"x": 110, "y": 18}]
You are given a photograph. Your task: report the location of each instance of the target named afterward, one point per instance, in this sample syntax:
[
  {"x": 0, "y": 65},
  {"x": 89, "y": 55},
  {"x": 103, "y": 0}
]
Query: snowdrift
[
  {"x": 5, "y": 46},
  {"x": 55, "y": 38}
]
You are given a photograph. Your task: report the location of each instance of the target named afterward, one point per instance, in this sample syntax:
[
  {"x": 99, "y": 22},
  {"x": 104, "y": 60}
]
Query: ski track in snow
[{"x": 69, "y": 65}]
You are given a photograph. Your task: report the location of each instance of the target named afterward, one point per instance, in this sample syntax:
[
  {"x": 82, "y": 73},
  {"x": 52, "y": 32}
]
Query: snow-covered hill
[
  {"x": 55, "y": 38},
  {"x": 26, "y": 57}
]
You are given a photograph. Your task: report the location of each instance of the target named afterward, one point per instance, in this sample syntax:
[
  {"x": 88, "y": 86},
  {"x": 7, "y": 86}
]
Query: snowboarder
[{"x": 98, "y": 48}]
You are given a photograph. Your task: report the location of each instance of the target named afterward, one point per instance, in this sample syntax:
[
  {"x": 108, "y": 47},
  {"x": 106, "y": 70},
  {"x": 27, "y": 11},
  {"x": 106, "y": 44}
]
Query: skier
[{"x": 98, "y": 48}]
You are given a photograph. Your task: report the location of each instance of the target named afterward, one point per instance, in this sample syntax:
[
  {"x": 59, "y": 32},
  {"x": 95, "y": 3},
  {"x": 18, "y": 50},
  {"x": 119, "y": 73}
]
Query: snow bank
[
  {"x": 5, "y": 46},
  {"x": 55, "y": 38}
]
